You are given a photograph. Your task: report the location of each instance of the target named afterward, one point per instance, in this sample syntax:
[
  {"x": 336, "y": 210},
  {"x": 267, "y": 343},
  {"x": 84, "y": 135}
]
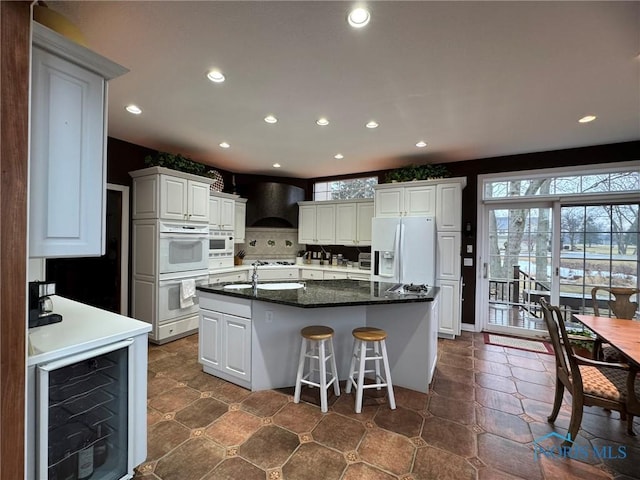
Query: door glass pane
[
  {"x": 519, "y": 267},
  {"x": 599, "y": 248}
]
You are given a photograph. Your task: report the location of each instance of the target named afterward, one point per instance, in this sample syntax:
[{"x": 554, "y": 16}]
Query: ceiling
[{"x": 471, "y": 79}]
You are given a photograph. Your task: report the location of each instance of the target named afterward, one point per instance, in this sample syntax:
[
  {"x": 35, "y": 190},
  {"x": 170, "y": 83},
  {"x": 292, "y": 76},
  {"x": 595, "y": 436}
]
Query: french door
[
  {"x": 555, "y": 251},
  {"x": 518, "y": 267}
]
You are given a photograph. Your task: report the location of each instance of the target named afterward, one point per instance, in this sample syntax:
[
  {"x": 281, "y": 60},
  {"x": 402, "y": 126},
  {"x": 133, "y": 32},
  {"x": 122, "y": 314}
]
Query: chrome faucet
[{"x": 254, "y": 276}]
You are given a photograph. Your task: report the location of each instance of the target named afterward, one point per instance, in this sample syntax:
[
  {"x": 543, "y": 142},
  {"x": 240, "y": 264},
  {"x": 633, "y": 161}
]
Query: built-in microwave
[
  {"x": 220, "y": 248},
  {"x": 220, "y": 241}
]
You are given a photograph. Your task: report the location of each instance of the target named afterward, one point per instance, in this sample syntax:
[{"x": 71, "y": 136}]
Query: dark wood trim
[{"x": 14, "y": 148}]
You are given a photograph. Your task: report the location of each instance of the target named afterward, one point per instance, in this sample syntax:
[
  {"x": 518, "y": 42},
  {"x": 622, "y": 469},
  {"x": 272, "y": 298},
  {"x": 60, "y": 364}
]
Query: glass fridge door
[{"x": 83, "y": 415}]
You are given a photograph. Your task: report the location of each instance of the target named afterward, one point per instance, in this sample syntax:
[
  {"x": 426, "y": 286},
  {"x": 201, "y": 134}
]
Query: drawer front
[
  {"x": 178, "y": 328},
  {"x": 335, "y": 275},
  {"x": 240, "y": 307},
  {"x": 307, "y": 274}
]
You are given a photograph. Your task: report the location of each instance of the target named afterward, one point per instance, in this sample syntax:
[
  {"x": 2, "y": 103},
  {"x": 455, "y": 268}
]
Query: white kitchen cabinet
[
  {"x": 224, "y": 277},
  {"x": 328, "y": 275},
  {"x": 449, "y": 300},
  {"x": 183, "y": 200},
  {"x": 317, "y": 223},
  {"x": 353, "y": 223},
  {"x": 222, "y": 211},
  {"x": 414, "y": 199},
  {"x": 311, "y": 274},
  {"x": 225, "y": 344},
  {"x": 67, "y": 166},
  {"x": 359, "y": 276},
  {"x": 210, "y": 338},
  {"x": 225, "y": 339},
  {"x": 365, "y": 212},
  {"x": 162, "y": 193},
  {"x": 240, "y": 220},
  {"x": 449, "y": 207},
  {"x": 278, "y": 273},
  {"x": 448, "y": 255}
]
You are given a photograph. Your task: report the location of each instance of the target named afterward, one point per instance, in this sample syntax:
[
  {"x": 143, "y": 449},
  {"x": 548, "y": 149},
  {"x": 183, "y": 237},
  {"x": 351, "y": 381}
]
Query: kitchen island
[{"x": 252, "y": 337}]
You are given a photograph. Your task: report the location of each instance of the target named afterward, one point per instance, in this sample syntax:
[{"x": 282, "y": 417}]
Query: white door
[{"x": 517, "y": 268}]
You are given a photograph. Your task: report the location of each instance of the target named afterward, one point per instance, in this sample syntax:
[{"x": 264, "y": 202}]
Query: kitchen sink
[
  {"x": 237, "y": 286},
  {"x": 280, "y": 286}
]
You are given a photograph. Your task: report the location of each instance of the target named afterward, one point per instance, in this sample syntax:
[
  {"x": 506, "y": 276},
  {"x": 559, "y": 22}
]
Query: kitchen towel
[{"x": 187, "y": 292}]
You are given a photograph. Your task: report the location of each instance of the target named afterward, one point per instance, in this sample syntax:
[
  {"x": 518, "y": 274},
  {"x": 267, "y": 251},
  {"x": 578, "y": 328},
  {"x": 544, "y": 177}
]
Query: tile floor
[{"x": 486, "y": 406}]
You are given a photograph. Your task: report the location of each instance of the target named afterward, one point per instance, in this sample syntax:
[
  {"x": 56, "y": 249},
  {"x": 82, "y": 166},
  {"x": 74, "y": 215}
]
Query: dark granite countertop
[{"x": 325, "y": 293}]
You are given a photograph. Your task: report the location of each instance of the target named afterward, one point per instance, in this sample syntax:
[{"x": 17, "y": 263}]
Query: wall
[{"x": 263, "y": 243}]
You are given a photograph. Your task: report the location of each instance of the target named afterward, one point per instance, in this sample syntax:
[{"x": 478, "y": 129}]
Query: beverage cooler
[{"x": 83, "y": 409}]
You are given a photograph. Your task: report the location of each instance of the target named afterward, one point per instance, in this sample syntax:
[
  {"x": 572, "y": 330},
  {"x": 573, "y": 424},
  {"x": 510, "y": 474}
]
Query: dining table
[{"x": 620, "y": 333}]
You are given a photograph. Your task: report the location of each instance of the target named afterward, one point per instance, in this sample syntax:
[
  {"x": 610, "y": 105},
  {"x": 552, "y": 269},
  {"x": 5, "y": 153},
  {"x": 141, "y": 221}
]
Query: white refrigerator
[{"x": 403, "y": 250}]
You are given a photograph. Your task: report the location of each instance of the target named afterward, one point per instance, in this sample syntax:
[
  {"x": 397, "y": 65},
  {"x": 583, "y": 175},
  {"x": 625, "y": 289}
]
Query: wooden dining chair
[
  {"x": 622, "y": 307},
  {"x": 590, "y": 382}
]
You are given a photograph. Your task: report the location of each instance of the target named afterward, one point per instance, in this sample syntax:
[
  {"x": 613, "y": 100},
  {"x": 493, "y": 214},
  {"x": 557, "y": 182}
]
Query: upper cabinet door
[
  {"x": 173, "y": 198},
  {"x": 228, "y": 213},
  {"x": 307, "y": 224},
  {"x": 389, "y": 202},
  {"x": 197, "y": 202},
  {"x": 365, "y": 214},
  {"x": 449, "y": 214},
  {"x": 420, "y": 201},
  {"x": 326, "y": 224},
  {"x": 346, "y": 224},
  {"x": 67, "y": 171},
  {"x": 67, "y": 167}
]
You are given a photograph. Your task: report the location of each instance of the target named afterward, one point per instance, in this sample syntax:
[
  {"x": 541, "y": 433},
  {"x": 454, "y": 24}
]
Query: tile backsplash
[{"x": 263, "y": 243}]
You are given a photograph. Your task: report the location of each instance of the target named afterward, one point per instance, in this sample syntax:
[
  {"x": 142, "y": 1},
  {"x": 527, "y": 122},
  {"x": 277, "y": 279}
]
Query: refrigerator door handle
[{"x": 399, "y": 244}]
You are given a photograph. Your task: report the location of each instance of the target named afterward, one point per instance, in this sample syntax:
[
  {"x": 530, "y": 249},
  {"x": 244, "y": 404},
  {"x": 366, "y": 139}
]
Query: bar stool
[
  {"x": 362, "y": 336},
  {"x": 315, "y": 340}
]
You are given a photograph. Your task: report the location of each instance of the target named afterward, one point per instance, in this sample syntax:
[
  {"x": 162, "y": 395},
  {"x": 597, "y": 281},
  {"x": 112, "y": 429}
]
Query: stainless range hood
[{"x": 272, "y": 204}]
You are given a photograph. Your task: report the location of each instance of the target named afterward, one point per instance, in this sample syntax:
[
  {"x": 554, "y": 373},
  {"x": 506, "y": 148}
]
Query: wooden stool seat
[
  {"x": 362, "y": 354},
  {"x": 317, "y": 345},
  {"x": 369, "y": 334},
  {"x": 317, "y": 332}
]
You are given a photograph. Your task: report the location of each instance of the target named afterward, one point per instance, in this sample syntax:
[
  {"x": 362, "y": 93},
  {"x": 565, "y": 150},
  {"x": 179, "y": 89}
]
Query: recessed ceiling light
[
  {"x": 322, "y": 121},
  {"x": 225, "y": 145},
  {"x": 587, "y": 119},
  {"x": 276, "y": 165},
  {"x": 270, "y": 119},
  {"x": 358, "y": 17},
  {"x": 421, "y": 144},
  {"x": 338, "y": 156},
  {"x": 136, "y": 110},
  {"x": 216, "y": 76},
  {"x": 372, "y": 124}
]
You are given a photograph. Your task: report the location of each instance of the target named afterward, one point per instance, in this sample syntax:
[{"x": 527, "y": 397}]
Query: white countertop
[{"x": 82, "y": 328}]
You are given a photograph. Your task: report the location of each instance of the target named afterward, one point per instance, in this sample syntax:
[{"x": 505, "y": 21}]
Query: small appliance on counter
[
  {"x": 364, "y": 260},
  {"x": 40, "y": 304}
]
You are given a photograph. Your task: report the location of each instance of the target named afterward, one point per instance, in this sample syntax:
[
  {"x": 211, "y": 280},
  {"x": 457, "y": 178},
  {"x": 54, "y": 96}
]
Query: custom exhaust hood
[{"x": 271, "y": 204}]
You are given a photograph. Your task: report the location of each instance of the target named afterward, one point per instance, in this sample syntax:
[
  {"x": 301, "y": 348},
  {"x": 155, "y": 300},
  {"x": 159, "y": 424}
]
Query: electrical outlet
[
  {"x": 268, "y": 316},
  {"x": 469, "y": 248}
]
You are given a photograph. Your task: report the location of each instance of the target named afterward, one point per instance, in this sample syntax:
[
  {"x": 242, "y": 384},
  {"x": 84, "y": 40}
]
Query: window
[
  {"x": 345, "y": 189},
  {"x": 622, "y": 181}
]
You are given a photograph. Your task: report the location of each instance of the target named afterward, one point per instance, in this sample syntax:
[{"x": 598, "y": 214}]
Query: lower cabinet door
[
  {"x": 210, "y": 338},
  {"x": 237, "y": 346},
  {"x": 449, "y": 300}
]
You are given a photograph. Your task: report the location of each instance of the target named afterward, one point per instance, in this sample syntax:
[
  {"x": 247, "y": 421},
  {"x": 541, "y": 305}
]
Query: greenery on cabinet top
[
  {"x": 417, "y": 172},
  {"x": 180, "y": 163}
]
